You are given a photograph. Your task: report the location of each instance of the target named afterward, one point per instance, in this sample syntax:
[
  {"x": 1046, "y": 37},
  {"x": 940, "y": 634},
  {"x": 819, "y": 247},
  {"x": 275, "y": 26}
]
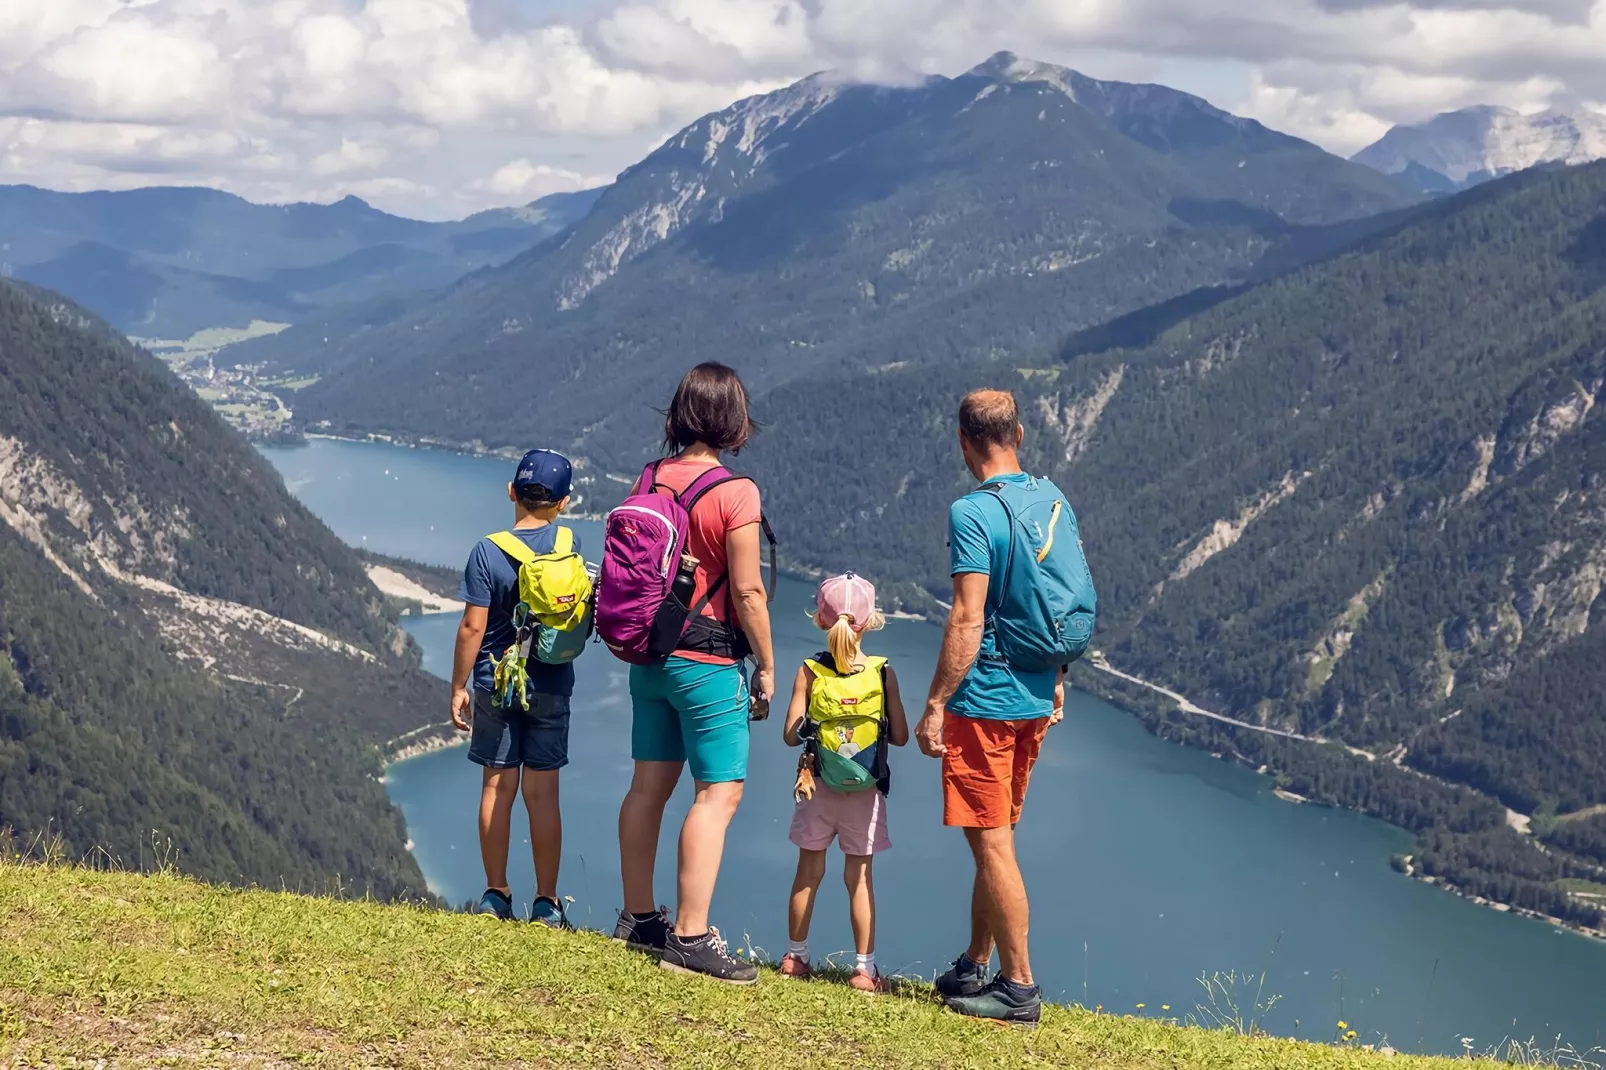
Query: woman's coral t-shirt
[{"x": 721, "y": 511}]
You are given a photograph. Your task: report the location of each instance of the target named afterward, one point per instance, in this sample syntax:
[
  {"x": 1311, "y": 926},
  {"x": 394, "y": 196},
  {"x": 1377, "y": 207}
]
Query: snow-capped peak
[
  {"x": 1475, "y": 144},
  {"x": 1008, "y": 67}
]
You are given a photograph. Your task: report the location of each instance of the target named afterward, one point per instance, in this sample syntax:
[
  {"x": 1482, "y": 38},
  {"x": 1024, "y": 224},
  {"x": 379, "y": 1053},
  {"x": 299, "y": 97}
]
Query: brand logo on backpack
[{"x": 850, "y": 701}]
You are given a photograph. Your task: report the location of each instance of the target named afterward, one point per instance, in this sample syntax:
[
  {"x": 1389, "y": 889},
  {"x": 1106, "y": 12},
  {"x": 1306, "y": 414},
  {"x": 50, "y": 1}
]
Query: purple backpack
[{"x": 644, "y": 610}]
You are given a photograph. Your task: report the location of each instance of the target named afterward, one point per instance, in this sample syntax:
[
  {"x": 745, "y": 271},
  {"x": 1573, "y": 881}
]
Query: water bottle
[{"x": 684, "y": 585}]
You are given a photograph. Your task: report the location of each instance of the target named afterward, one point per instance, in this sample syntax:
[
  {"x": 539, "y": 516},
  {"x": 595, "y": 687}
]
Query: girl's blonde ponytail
[{"x": 843, "y": 642}]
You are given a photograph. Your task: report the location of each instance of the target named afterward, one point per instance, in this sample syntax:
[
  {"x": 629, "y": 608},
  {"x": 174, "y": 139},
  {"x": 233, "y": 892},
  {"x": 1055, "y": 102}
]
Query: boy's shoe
[
  {"x": 964, "y": 978},
  {"x": 707, "y": 955},
  {"x": 796, "y": 968},
  {"x": 495, "y": 903},
  {"x": 1002, "y": 1001},
  {"x": 549, "y": 912},
  {"x": 643, "y": 934},
  {"x": 871, "y": 984}
]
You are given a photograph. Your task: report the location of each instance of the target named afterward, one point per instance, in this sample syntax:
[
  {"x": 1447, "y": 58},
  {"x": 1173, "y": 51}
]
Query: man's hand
[
  {"x": 928, "y": 733},
  {"x": 1059, "y": 704},
  {"x": 763, "y": 684},
  {"x": 462, "y": 708}
]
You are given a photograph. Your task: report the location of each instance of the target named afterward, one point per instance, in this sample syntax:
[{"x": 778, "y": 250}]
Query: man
[
  {"x": 517, "y": 748},
  {"x": 986, "y": 720}
]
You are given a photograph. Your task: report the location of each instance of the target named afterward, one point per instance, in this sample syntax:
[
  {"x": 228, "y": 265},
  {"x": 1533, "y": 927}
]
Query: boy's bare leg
[
  {"x": 546, "y": 828},
  {"x": 497, "y": 794}
]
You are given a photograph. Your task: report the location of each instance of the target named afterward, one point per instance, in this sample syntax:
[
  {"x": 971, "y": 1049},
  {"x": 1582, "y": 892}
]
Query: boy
[{"x": 516, "y": 748}]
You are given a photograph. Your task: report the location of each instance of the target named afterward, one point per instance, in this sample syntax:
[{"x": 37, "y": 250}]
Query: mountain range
[
  {"x": 193, "y": 669},
  {"x": 1459, "y": 149},
  {"x": 168, "y": 262},
  {"x": 838, "y": 225}
]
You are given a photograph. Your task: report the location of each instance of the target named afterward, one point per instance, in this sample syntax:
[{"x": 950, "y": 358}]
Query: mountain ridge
[
  {"x": 813, "y": 225},
  {"x": 1459, "y": 149},
  {"x": 191, "y": 665},
  {"x": 170, "y": 261}
]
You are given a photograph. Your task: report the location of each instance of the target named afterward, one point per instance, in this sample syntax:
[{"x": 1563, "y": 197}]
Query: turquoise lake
[{"x": 1149, "y": 864}]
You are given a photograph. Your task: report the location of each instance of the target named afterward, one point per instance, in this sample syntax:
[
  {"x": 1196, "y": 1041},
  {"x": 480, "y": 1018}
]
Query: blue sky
[{"x": 437, "y": 108}]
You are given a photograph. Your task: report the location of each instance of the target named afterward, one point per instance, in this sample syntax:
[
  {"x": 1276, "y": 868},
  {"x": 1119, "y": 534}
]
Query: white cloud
[
  {"x": 521, "y": 181},
  {"x": 423, "y": 103}
]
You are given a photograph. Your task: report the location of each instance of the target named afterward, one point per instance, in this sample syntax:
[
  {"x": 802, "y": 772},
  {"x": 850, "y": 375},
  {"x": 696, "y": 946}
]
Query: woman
[{"x": 693, "y": 708}]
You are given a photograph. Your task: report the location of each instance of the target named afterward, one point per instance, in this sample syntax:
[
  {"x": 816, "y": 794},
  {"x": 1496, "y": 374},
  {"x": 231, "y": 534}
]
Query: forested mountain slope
[
  {"x": 835, "y": 224},
  {"x": 1364, "y": 502},
  {"x": 194, "y": 667},
  {"x": 165, "y": 262}
]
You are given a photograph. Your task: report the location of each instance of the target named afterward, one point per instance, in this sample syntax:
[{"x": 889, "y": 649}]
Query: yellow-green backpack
[
  {"x": 553, "y": 616},
  {"x": 847, "y": 724}
]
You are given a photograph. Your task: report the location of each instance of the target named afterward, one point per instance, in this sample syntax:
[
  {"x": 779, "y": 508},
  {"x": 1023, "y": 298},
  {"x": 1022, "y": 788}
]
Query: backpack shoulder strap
[
  {"x": 563, "y": 542},
  {"x": 821, "y": 665},
  {"x": 714, "y": 477},
  {"x": 513, "y": 546}
]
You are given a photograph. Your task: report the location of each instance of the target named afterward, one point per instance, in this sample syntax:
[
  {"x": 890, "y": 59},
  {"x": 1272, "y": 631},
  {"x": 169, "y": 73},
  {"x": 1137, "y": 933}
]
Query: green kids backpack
[
  {"x": 553, "y": 616},
  {"x": 847, "y": 725}
]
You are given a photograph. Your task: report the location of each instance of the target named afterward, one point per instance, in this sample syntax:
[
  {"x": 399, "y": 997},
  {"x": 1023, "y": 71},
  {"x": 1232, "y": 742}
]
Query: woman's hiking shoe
[
  {"x": 707, "y": 955},
  {"x": 1002, "y": 1001},
  {"x": 964, "y": 978},
  {"x": 495, "y": 903},
  {"x": 549, "y": 912},
  {"x": 796, "y": 968},
  {"x": 871, "y": 984},
  {"x": 648, "y": 934}
]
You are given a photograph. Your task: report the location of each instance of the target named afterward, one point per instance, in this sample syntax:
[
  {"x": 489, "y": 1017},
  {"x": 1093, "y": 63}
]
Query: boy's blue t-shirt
[
  {"x": 491, "y": 580},
  {"x": 978, "y": 542}
]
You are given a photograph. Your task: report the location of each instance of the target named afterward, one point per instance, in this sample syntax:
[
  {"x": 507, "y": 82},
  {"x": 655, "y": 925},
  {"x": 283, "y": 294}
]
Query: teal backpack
[{"x": 1043, "y": 611}]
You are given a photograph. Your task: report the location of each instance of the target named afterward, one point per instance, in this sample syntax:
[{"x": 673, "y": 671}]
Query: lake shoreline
[{"x": 1097, "y": 661}]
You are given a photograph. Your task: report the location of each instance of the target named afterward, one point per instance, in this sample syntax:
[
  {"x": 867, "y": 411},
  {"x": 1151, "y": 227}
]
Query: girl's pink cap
[{"x": 846, "y": 596}]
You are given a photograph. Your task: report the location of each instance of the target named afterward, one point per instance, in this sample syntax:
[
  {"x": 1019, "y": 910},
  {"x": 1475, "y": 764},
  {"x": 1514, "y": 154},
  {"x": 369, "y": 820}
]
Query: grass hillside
[{"x": 117, "y": 970}]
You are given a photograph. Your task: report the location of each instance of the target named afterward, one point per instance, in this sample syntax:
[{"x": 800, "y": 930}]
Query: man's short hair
[{"x": 990, "y": 418}]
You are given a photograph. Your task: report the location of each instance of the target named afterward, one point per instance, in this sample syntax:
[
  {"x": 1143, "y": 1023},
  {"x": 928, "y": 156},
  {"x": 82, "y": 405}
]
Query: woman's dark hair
[{"x": 710, "y": 406}]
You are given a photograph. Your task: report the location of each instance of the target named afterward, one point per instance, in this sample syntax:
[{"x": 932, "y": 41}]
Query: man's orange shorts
[{"x": 986, "y": 768}]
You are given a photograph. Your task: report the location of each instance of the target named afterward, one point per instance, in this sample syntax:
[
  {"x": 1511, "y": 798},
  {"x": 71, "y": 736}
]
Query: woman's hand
[{"x": 762, "y": 692}]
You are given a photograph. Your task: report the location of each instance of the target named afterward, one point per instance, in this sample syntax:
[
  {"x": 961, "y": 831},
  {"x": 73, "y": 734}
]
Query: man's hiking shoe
[
  {"x": 549, "y": 912},
  {"x": 964, "y": 978},
  {"x": 870, "y": 983},
  {"x": 707, "y": 955},
  {"x": 495, "y": 903},
  {"x": 647, "y": 934},
  {"x": 796, "y": 968},
  {"x": 1002, "y": 1001}
]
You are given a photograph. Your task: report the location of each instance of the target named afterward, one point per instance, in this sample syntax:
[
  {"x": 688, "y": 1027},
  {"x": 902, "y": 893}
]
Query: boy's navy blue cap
[{"x": 544, "y": 474}]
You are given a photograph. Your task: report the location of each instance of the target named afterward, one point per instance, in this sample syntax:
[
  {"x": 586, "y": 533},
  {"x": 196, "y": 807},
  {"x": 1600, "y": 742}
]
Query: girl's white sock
[
  {"x": 798, "y": 949},
  {"x": 865, "y": 963}
]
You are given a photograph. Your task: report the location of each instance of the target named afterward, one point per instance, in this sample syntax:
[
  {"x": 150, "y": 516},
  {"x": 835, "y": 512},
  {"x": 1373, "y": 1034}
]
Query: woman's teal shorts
[{"x": 692, "y": 712}]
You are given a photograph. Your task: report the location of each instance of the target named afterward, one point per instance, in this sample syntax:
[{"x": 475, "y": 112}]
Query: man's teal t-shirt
[{"x": 978, "y": 542}]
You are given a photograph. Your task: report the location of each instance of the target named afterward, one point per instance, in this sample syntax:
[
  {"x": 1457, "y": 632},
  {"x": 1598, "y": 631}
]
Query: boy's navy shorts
[{"x": 506, "y": 739}]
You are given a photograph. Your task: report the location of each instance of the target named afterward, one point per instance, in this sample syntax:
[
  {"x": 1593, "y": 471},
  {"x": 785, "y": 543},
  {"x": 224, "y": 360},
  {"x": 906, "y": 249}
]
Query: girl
[{"x": 845, "y": 710}]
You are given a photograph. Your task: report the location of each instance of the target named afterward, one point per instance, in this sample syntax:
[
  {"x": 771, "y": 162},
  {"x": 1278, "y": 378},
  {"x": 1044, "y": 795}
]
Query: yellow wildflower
[{"x": 1343, "y": 1025}]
